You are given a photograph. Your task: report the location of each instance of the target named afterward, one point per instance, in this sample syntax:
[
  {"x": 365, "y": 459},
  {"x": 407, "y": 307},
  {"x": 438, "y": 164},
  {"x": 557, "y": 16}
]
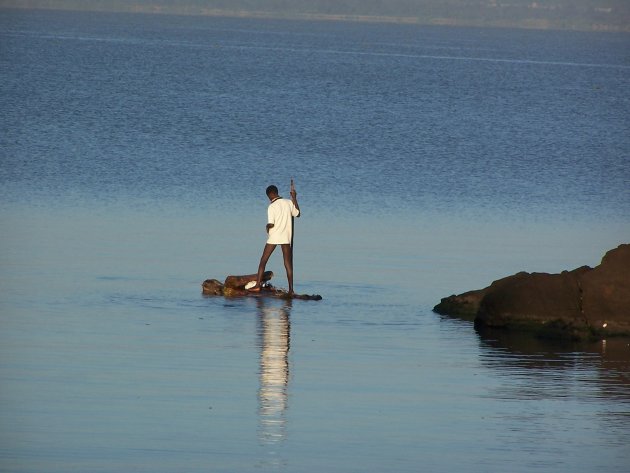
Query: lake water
[{"x": 428, "y": 161}]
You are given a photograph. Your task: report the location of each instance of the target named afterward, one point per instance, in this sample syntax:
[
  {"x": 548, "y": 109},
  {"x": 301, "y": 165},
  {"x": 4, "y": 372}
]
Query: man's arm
[{"x": 295, "y": 202}]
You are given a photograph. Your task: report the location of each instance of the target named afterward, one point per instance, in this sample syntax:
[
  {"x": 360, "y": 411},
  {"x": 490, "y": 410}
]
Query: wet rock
[
  {"x": 606, "y": 293},
  {"x": 546, "y": 303},
  {"x": 585, "y": 302},
  {"x": 464, "y": 306}
]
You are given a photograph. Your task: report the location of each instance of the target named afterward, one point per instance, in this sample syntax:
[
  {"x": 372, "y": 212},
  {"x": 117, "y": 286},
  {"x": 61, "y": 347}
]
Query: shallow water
[
  {"x": 132, "y": 171},
  {"x": 112, "y": 359}
]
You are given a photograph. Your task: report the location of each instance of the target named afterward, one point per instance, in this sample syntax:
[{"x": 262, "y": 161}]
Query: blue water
[{"x": 135, "y": 152}]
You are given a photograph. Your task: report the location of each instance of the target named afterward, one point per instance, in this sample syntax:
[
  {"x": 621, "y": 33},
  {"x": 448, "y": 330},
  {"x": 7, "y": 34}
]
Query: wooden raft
[{"x": 234, "y": 286}]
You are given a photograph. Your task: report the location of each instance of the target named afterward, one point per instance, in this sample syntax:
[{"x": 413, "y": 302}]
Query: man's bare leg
[
  {"x": 287, "y": 255},
  {"x": 262, "y": 265}
]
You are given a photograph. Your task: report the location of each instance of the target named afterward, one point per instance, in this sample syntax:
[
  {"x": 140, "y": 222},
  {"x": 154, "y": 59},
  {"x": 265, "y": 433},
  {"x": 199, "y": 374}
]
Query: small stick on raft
[{"x": 234, "y": 286}]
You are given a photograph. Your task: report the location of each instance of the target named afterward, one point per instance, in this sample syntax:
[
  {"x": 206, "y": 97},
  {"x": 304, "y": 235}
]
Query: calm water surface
[{"x": 135, "y": 151}]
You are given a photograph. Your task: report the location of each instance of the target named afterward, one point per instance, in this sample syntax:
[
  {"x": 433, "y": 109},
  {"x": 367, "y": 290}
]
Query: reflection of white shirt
[{"x": 279, "y": 213}]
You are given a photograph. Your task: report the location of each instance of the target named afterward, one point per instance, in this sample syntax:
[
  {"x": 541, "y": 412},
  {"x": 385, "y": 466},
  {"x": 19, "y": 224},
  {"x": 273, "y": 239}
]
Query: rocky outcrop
[{"x": 585, "y": 302}]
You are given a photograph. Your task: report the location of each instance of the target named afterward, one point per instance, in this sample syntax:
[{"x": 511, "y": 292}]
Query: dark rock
[
  {"x": 534, "y": 301},
  {"x": 464, "y": 306},
  {"x": 581, "y": 303},
  {"x": 606, "y": 293}
]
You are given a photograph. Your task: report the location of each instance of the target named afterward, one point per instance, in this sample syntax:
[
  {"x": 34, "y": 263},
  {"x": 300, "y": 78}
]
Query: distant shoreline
[{"x": 532, "y": 24}]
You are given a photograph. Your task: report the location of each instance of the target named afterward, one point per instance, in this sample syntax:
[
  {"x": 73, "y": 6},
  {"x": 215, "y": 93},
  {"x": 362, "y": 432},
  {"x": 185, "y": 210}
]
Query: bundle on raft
[{"x": 234, "y": 286}]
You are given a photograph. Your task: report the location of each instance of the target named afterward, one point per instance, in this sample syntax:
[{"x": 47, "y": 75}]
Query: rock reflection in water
[
  {"x": 557, "y": 369},
  {"x": 274, "y": 335}
]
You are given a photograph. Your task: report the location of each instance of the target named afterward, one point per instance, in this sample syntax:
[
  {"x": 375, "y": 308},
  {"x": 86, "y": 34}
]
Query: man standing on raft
[{"x": 280, "y": 215}]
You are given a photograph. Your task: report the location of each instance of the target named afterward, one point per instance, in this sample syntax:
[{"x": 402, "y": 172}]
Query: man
[{"x": 280, "y": 215}]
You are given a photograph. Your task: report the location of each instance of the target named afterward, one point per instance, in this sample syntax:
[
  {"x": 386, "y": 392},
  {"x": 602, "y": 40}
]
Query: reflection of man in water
[
  {"x": 274, "y": 331},
  {"x": 280, "y": 215}
]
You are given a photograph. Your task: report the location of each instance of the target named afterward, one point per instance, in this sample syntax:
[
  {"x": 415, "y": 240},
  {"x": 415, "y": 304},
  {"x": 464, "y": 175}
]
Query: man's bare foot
[{"x": 256, "y": 288}]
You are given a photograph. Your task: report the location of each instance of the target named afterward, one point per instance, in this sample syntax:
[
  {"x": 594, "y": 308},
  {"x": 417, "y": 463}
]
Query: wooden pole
[{"x": 292, "y": 221}]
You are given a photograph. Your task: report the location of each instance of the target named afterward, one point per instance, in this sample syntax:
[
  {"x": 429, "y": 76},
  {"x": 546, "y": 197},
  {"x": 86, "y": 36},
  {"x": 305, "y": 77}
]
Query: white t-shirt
[{"x": 279, "y": 213}]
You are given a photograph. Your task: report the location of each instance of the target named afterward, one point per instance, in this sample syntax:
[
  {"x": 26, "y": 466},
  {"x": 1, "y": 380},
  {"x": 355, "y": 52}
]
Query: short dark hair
[{"x": 272, "y": 190}]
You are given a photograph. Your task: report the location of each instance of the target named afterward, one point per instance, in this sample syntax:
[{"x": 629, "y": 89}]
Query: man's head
[{"x": 272, "y": 192}]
